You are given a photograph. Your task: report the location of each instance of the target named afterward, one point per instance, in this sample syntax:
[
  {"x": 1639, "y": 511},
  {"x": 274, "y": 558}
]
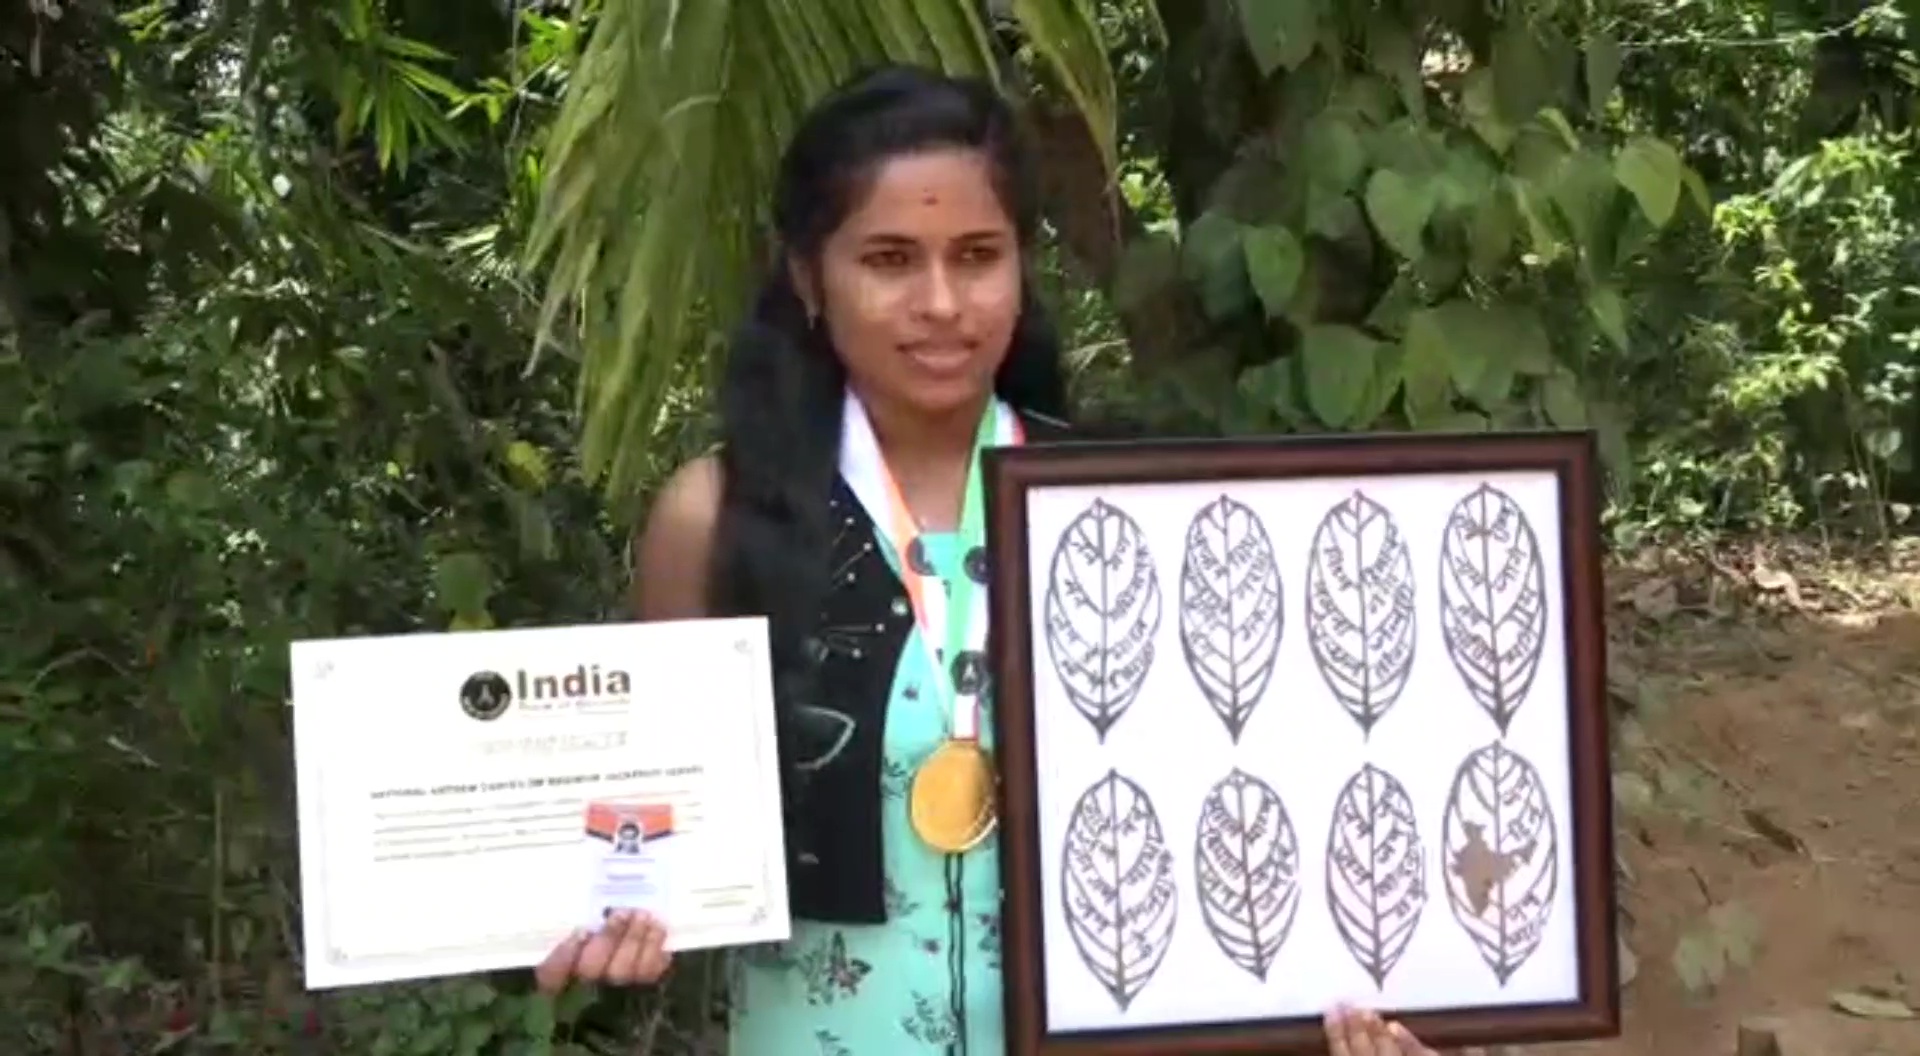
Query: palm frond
[
  {"x": 1065, "y": 34},
  {"x": 662, "y": 157}
]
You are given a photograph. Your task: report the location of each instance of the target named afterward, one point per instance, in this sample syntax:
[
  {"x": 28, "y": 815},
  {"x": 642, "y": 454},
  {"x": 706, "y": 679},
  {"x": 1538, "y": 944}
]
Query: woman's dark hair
[{"x": 782, "y": 392}]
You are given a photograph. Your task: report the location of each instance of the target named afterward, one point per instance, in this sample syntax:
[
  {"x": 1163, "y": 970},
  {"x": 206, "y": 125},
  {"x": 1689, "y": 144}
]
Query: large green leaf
[
  {"x": 661, "y": 160},
  {"x": 1280, "y": 33},
  {"x": 1427, "y": 369},
  {"x": 1561, "y": 400},
  {"x": 1480, "y": 108},
  {"x": 1477, "y": 348},
  {"x": 1274, "y": 262},
  {"x": 1334, "y": 156},
  {"x": 1389, "y": 362},
  {"x": 1340, "y": 365},
  {"x": 1393, "y": 50},
  {"x": 1523, "y": 74},
  {"x": 1610, "y": 315},
  {"x": 1490, "y": 233},
  {"x": 1651, "y": 170},
  {"x": 1602, "y": 67},
  {"x": 1583, "y": 189},
  {"x": 464, "y": 583},
  {"x": 1211, "y": 256},
  {"x": 1399, "y": 207}
]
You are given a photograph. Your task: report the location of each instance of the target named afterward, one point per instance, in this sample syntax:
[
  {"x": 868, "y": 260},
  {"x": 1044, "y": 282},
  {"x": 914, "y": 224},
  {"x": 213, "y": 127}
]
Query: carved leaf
[
  {"x": 1247, "y": 865},
  {"x": 1102, "y": 613},
  {"x": 1493, "y": 600},
  {"x": 1360, "y": 608},
  {"x": 1502, "y": 856},
  {"x": 1230, "y": 616},
  {"x": 1117, "y": 887},
  {"x": 1376, "y": 870}
]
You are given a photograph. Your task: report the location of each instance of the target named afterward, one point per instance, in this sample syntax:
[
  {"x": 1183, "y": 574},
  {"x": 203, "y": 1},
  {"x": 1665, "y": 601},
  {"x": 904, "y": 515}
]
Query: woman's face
[{"x": 920, "y": 286}]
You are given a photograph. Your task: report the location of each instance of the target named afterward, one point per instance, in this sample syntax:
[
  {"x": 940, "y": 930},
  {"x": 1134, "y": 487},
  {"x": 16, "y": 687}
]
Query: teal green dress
[{"x": 886, "y": 989}]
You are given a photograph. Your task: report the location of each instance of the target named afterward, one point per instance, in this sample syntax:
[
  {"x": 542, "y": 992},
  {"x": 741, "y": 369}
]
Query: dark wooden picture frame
[{"x": 1013, "y": 474}]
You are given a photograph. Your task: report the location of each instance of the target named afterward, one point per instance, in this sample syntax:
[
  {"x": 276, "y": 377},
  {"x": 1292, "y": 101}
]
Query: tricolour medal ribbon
[{"x": 954, "y": 783}]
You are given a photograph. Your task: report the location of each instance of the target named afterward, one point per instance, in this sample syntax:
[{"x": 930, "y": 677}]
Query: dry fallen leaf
[
  {"x": 1871, "y": 1006},
  {"x": 1656, "y": 599},
  {"x": 1776, "y": 581}
]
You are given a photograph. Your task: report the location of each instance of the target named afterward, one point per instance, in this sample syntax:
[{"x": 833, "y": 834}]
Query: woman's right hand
[{"x": 629, "y": 950}]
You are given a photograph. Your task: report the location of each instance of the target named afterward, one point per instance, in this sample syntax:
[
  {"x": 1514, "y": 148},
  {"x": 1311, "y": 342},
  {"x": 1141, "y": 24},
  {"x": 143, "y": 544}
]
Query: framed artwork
[{"x": 1289, "y": 721}]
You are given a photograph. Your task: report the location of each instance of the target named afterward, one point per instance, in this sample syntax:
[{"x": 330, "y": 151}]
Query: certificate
[{"x": 460, "y": 794}]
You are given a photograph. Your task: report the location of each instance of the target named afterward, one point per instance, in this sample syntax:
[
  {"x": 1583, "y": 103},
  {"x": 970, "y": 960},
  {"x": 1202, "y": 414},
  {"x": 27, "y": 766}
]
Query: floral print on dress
[
  {"x": 929, "y": 1023},
  {"x": 989, "y": 937},
  {"x": 831, "y": 974},
  {"x": 894, "y": 779},
  {"x": 898, "y": 904},
  {"x": 887, "y": 989}
]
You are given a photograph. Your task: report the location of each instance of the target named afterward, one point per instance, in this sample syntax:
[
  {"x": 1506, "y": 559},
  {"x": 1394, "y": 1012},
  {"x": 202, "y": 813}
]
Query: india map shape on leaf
[
  {"x": 1493, "y": 600},
  {"x": 1501, "y": 851},
  {"x": 1247, "y": 871},
  {"x": 1360, "y": 608},
  {"x": 1102, "y": 613},
  {"x": 1117, "y": 887},
  {"x": 1230, "y": 609}
]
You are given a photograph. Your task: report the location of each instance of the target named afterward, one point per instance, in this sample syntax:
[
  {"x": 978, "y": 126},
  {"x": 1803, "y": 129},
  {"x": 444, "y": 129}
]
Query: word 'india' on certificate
[{"x": 459, "y": 794}]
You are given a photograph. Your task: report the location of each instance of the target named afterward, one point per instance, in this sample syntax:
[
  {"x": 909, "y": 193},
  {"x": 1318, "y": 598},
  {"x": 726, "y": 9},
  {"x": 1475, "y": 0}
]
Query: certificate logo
[
  {"x": 581, "y": 688},
  {"x": 485, "y": 696}
]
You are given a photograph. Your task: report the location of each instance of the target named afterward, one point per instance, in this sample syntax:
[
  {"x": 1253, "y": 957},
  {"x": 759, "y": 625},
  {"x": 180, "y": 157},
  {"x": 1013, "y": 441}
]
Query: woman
[{"x": 897, "y": 336}]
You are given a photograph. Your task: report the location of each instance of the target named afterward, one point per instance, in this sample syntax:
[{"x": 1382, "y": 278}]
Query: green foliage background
[{"x": 268, "y": 358}]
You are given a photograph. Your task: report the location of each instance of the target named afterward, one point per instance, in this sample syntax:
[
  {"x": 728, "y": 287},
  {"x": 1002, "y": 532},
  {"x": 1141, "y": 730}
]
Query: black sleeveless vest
[{"x": 835, "y": 867}]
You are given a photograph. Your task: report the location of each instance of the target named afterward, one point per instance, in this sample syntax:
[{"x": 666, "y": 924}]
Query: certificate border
[{"x": 327, "y": 967}]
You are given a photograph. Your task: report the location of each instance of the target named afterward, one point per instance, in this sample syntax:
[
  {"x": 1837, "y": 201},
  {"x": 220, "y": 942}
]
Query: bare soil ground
[{"x": 1769, "y": 761}]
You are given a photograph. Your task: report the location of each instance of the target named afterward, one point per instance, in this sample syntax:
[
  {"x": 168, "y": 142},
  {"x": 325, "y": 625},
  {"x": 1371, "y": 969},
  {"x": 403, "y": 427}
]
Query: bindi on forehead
[{"x": 929, "y": 198}]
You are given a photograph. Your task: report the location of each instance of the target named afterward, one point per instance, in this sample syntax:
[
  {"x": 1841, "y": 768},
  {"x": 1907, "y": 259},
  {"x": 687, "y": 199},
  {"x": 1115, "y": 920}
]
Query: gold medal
[{"x": 951, "y": 803}]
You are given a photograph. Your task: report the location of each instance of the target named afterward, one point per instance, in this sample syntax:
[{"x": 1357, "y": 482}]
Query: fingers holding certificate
[
  {"x": 628, "y": 948},
  {"x": 581, "y": 799}
]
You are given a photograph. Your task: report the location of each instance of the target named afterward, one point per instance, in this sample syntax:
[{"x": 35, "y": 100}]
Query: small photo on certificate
[{"x": 629, "y": 851}]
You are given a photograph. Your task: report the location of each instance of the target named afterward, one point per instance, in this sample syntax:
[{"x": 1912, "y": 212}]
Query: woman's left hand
[{"x": 1355, "y": 1032}]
